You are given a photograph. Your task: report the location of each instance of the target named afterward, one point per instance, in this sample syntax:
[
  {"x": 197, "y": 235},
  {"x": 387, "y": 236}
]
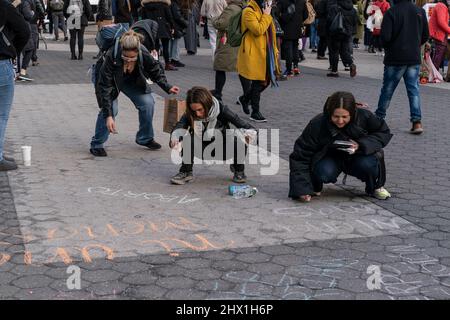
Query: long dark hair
[
  {"x": 198, "y": 95},
  {"x": 340, "y": 99}
]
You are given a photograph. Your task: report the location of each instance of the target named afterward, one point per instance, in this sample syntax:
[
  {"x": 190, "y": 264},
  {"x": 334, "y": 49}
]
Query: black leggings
[
  {"x": 252, "y": 91},
  {"x": 165, "y": 46},
  {"x": 221, "y": 78},
  {"x": 74, "y": 33}
]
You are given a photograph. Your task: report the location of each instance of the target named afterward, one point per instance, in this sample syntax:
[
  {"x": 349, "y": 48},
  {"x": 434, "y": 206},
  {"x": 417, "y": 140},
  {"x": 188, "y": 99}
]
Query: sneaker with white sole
[
  {"x": 182, "y": 177},
  {"x": 381, "y": 194}
]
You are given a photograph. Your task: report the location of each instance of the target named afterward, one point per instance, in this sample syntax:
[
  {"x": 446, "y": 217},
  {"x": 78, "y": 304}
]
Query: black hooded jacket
[
  {"x": 371, "y": 133},
  {"x": 349, "y": 13},
  {"x": 292, "y": 22},
  {"x": 403, "y": 30},
  {"x": 110, "y": 80},
  {"x": 16, "y": 31}
]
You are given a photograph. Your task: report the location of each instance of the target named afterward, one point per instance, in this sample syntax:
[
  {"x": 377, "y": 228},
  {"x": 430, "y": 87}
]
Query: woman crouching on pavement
[
  {"x": 204, "y": 119},
  {"x": 343, "y": 138}
]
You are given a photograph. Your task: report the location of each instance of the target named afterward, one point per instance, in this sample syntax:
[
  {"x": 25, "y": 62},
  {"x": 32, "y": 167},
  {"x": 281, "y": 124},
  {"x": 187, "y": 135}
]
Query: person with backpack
[
  {"x": 14, "y": 35},
  {"x": 204, "y": 120},
  {"x": 225, "y": 58},
  {"x": 403, "y": 31},
  {"x": 257, "y": 57},
  {"x": 343, "y": 138},
  {"x": 211, "y": 9},
  {"x": 292, "y": 15},
  {"x": 126, "y": 68},
  {"x": 181, "y": 25},
  {"x": 57, "y": 7},
  {"x": 341, "y": 25},
  {"x": 159, "y": 11},
  {"x": 77, "y": 13}
]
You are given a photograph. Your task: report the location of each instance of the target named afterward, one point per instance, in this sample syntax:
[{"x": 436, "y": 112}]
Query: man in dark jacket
[
  {"x": 127, "y": 71},
  {"x": 403, "y": 31},
  {"x": 340, "y": 40},
  {"x": 292, "y": 15},
  {"x": 124, "y": 12},
  {"x": 14, "y": 34}
]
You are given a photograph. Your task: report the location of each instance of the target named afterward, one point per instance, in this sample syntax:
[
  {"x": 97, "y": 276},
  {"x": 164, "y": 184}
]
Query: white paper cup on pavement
[{"x": 26, "y": 155}]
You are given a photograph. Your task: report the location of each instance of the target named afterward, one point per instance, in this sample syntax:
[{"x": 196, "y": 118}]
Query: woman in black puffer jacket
[
  {"x": 319, "y": 157},
  {"x": 159, "y": 11}
]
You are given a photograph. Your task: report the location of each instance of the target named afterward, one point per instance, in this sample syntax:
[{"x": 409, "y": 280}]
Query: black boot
[
  {"x": 73, "y": 57},
  {"x": 80, "y": 55}
]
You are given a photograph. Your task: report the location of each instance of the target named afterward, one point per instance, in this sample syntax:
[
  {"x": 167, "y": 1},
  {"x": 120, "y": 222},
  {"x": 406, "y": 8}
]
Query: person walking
[
  {"x": 339, "y": 41},
  {"x": 181, "y": 25},
  {"x": 211, "y": 9},
  {"x": 403, "y": 31},
  {"x": 225, "y": 59},
  {"x": 439, "y": 31},
  {"x": 257, "y": 57},
  {"x": 57, "y": 8}
]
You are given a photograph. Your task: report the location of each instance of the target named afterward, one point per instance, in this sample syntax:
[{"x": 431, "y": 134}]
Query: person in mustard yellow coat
[{"x": 257, "y": 62}]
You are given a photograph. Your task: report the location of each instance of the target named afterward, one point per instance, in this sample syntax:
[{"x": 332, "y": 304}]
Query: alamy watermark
[
  {"x": 74, "y": 280},
  {"x": 236, "y": 145},
  {"x": 374, "y": 280}
]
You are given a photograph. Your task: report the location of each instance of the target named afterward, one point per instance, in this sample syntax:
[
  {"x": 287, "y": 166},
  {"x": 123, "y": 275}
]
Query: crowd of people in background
[{"x": 266, "y": 33}]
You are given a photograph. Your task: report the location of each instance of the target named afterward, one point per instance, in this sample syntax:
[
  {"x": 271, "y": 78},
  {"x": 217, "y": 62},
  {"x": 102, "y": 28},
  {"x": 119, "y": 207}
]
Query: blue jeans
[
  {"x": 174, "y": 51},
  {"x": 391, "y": 78},
  {"x": 328, "y": 169},
  {"x": 144, "y": 102},
  {"x": 7, "y": 75},
  {"x": 313, "y": 36}
]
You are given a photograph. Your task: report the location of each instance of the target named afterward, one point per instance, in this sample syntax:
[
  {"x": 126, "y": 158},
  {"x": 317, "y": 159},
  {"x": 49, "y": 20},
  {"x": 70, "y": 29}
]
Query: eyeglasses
[{"x": 128, "y": 59}]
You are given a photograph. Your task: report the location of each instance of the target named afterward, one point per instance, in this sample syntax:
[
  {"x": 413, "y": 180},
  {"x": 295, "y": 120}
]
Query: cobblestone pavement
[{"x": 136, "y": 237}]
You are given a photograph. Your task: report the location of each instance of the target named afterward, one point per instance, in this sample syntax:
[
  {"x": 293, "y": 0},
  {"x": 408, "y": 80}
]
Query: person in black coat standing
[
  {"x": 159, "y": 11},
  {"x": 343, "y": 138},
  {"x": 292, "y": 15},
  {"x": 339, "y": 41},
  {"x": 321, "y": 15}
]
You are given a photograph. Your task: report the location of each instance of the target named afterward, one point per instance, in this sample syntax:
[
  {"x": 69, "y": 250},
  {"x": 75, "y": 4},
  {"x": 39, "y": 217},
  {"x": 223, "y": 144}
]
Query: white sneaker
[{"x": 381, "y": 194}]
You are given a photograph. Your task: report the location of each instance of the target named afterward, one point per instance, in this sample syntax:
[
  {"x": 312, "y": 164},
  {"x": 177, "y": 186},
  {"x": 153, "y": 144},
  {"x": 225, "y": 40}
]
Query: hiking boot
[
  {"x": 181, "y": 178},
  {"x": 6, "y": 165},
  {"x": 258, "y": 117},
  {"x": 177, "y": 63},
  {"x": 239, "y": 177},
  {"x": 381, "y": 194},
  {"x": 416, "y": 128},
  {"x": 333, "y": 74},
  {"x": 353, "y": 70},
  {"x": 98, "y": 152},
  {"x": 152, "y": 145},
  {"x": 296, "y": 71},
  {"x": 240, "y": 101},
  {"x": 170, "y": 67}
]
